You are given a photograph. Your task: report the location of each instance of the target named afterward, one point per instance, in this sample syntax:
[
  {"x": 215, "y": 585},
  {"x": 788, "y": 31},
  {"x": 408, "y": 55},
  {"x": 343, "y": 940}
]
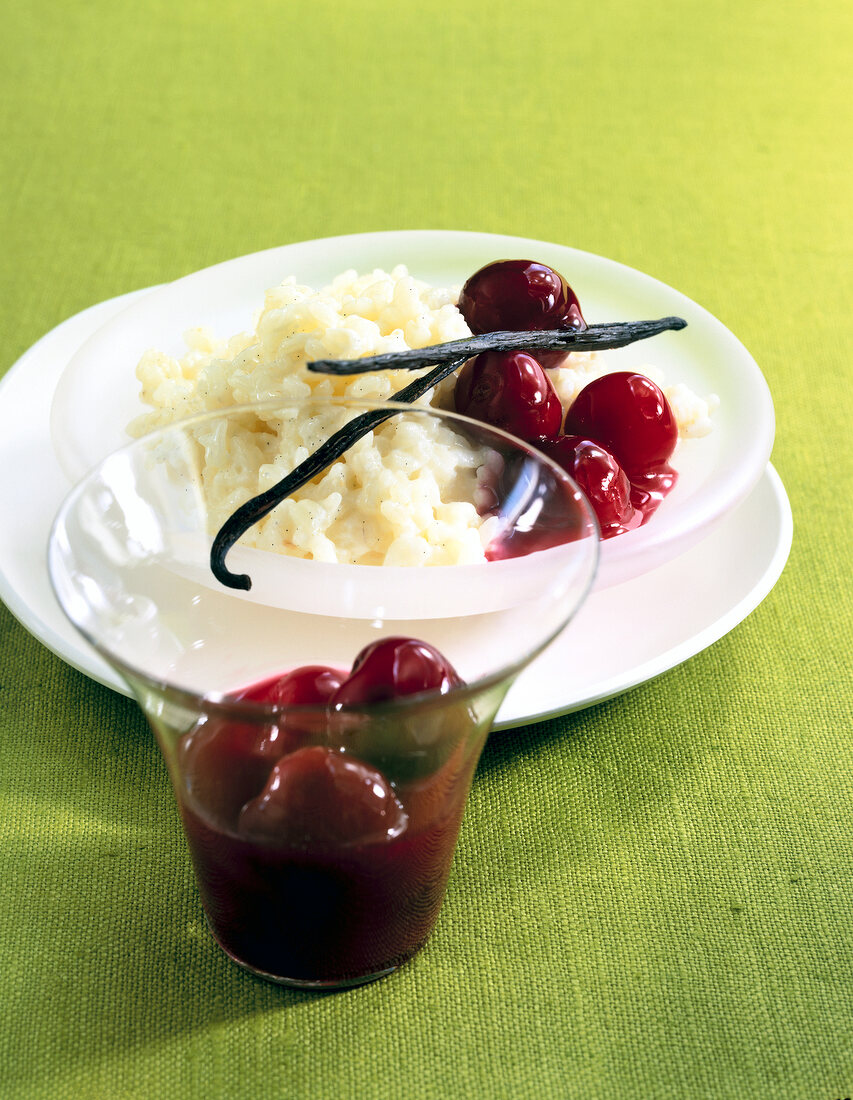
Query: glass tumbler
[{"x": 322, "y": 826}]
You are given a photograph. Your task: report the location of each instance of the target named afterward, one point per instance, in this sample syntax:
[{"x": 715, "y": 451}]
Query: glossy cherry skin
[
  {"x": 309, "y": 685},
  {"x": 393, "y": 667},
  {"x": 510, "y": 390},
  {"x": 603, "y": 481},
  {"x": 629, "y": 416},
  {"x": 318, "y": 796},
  {"x": 224, "y": 763},
  {"x": 518, "y": 295}
]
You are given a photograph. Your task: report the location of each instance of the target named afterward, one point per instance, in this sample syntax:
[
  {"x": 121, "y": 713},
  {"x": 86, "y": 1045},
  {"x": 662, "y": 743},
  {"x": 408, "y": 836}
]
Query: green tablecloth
[{"x": 651, "y": 898}]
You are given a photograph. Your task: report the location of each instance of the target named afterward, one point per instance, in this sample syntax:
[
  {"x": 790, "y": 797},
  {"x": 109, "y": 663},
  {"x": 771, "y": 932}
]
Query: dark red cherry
[
  {"x": 519, "y": 295},
  {"x": 305, "y": 686},
  {"x": 602, "y": 480},
  {"x": 317, "y": 796},
  {"x": 629, "y": 415},
  {"x": 224, "y": 763},
  {"x": 393, "y": 667},
  {"x": 510, "y": 390}
]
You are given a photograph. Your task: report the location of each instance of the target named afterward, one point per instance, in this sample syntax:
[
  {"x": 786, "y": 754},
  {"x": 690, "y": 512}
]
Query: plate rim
[{"x": 690, "y": 647}]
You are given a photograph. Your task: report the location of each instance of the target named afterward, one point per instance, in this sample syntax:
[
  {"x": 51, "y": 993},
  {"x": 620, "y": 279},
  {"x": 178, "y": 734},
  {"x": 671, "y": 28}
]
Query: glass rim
[{"x": 223, "y": 703}]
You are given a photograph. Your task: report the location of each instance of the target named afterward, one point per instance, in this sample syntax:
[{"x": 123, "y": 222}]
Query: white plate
[
  {"x": 98, "y": 394},
  {"x": 622, "y": 637}
]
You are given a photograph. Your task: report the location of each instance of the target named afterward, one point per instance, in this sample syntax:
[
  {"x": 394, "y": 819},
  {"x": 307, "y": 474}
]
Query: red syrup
[
  {"x": 313, "y": 864},
  {"x": 324, "y": 914},
  {"x": 648, "y": 490},
  {"x": 541, "y": 510},
  {"x": 621, "y": 503}
]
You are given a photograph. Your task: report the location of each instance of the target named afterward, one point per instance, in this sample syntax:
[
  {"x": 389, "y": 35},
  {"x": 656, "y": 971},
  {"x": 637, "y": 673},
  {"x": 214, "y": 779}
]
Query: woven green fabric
[{"x": 652, "y": 898}]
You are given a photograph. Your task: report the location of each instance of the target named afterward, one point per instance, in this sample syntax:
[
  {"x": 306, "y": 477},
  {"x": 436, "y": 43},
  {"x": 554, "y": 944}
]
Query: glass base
[{"x": 328, "y": 985}]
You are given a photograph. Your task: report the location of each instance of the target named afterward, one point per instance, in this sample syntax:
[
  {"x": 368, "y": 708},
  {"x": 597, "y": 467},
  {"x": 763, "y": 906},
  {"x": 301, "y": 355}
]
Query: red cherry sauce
[
  {"x": 313, "y": 865},
  {"x": 541, "y": 510},
  {"x": 648, "y": 490}
]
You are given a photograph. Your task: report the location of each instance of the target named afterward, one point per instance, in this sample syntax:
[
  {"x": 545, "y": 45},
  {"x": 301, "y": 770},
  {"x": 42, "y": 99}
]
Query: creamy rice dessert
[{"x": 406, "y": 493}]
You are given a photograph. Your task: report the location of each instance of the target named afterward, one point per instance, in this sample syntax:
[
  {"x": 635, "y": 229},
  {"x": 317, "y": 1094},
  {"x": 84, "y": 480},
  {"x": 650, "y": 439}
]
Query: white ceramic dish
[
  {"x": 97, "y": 395},
  {"x": 622, "y": 637}
]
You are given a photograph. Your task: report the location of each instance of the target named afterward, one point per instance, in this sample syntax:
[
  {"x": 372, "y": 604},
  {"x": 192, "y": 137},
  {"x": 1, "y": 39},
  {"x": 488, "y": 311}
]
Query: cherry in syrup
[
  {"x": 318, "y": 796},
  {"x": 309, "y": 685},
  {"x": 517, "y": 296},
  {"x": 603, "y": 481},
  {"x": 394, "y": 667},
  {"x": 630, "y": 417},
  {"x": 510, "y": 390},
  {"x": 224, "y": 763}
]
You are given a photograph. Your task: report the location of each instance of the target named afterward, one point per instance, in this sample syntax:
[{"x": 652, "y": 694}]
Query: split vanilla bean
[
  {"x": 592, "y": 338},
  {"x": 445, "y": 359},
  {"x": 337, "y": 444}
]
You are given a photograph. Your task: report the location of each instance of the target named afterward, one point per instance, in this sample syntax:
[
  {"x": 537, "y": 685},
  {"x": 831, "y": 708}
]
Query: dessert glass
[{"x": 329, "y": 899}]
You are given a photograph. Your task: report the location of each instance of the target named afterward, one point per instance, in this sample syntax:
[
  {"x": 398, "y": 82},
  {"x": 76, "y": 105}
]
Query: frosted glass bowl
[{"x": 97, "y": 395}]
